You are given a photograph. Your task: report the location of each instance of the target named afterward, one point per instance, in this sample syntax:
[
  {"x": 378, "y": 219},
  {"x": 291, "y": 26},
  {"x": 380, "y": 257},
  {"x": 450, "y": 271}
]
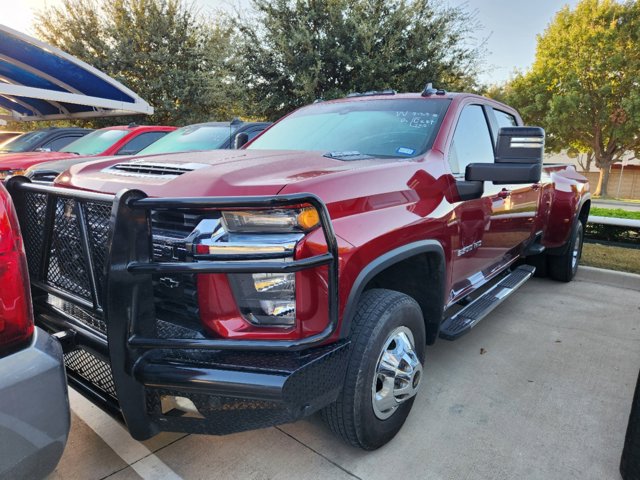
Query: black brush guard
[{"x": 104, "y": 314}]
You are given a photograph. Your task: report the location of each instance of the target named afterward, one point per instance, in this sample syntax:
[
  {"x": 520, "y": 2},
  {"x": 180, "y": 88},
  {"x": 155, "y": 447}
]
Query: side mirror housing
[
  {"x": 519, "y": 155},
  {"x": 240, "y": 139},
  {"x": 520, "y": 145}
]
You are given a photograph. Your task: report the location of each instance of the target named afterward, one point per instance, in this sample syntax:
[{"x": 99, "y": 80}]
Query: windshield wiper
[{"x": 348, "y": 155}]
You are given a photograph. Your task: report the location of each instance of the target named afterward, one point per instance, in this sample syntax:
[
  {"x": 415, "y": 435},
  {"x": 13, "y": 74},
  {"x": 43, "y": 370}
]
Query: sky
[{"x": 510, "y": 27}]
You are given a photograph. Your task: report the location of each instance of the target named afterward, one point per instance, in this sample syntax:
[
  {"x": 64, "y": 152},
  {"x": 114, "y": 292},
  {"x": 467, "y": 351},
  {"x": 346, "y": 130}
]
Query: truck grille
[{"x": 77, "y": 267}]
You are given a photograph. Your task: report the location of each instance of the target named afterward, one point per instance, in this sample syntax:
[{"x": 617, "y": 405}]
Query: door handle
[
  {"x": 504, "y": 193},
  {"x": 535, "y": 186}
]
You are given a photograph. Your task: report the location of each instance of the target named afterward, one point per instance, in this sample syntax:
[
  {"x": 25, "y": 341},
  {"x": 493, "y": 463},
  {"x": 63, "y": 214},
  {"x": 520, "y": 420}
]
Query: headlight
[
  {"x": 4, "y": 174},
  {"x": 266, "y": 299},
  {"x": 271, "y": 221}
]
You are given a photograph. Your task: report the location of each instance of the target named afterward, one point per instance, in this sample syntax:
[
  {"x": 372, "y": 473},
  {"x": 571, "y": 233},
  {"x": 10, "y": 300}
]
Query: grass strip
[
  {"x": 612, "y": 258},
  {"x": 614, "y": 213}
]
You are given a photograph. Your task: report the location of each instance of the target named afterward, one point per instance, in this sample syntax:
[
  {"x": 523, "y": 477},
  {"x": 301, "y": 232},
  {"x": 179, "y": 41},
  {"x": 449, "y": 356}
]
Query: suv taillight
[{"x": 16, "y": 314}]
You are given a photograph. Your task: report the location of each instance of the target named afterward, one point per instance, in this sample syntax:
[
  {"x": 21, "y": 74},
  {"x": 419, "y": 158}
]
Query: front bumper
[
  {"x": 203, "y": 391},
  {"x": 34, "y": 409},
  {"x": 234, "y": 392},
  {"x": 161, "y": 374}
]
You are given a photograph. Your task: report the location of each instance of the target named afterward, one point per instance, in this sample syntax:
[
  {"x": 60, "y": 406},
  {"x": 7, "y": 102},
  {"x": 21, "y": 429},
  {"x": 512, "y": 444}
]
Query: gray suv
[{"x": 34, "y": 403}]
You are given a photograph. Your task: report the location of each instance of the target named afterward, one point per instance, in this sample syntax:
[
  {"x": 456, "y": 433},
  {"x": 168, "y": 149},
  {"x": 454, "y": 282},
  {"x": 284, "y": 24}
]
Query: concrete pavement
[{"x": 548, "y": 399}]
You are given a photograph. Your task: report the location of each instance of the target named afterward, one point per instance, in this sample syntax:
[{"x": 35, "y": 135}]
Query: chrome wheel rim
[
  {"x": 398, "y": 373},
  {"x": 575, "y": 255}
]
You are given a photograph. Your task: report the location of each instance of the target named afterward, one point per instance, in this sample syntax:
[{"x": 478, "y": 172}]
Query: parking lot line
[{"x": 134, "y": 453}]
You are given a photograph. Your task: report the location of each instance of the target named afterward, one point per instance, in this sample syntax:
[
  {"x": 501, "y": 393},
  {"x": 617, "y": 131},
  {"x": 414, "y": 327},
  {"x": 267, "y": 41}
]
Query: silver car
[{"x": 34, "y": 402}]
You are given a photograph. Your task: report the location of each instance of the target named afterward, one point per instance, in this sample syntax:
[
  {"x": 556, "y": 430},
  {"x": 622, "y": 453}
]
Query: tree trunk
[
  {"x": 585, "y": 161},
  {"x": 603, "y": 181}
]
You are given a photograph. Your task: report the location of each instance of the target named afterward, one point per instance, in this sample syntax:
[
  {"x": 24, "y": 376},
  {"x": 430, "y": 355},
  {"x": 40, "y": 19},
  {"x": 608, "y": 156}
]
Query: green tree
[
  {"x": 292, "y": 52},
  {"x": 583, "y": 86},
  {"x": 157, "y": 48}
]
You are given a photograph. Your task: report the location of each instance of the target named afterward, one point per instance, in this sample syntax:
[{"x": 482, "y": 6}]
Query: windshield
[
  {"x": 350, "y": 130},
  {"x": 192, "y": 137},
  {"x": 95, "y": 142},
  {"x": 24, "y": 143}
]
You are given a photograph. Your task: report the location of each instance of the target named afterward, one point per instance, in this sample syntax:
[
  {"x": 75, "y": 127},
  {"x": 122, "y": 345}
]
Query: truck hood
[
  {"x": 22, "y": 161},
  {"x": 207, "y": 173}
]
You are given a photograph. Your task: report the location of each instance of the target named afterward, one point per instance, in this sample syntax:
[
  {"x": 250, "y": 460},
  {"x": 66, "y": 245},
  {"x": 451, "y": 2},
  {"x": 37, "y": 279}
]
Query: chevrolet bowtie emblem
[{"x": 169, "y": 282}]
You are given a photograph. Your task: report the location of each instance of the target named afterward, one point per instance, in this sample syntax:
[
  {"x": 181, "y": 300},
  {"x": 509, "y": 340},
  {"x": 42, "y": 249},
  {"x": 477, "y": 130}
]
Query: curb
[{"x": 613, "y": 278}]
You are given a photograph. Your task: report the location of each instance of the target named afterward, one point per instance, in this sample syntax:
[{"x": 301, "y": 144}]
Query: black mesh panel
[
  {"x": 67, "y": 269},
  {"x": 92, "y": 369},
  {"x": 97, "y": 217},
  {"x": 35, "y": 205}
]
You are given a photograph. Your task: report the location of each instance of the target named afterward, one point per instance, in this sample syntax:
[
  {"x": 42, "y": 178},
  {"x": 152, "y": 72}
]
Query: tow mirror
[
  {"x": 519, "y": 155},
  {"x": 240, "y": 139}
]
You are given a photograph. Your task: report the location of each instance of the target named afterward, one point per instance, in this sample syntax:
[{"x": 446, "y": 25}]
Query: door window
[
  {"x": 471, "y": 140},
  {"x": 254, "y": 133},
  {"x": 57, "y": 143},
  {"x": 505, "y": 119},
  {"x": 143, "y": 140}
]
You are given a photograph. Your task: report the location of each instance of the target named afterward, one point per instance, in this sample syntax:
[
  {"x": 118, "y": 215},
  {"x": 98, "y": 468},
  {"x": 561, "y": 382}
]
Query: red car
[
  {"x": 221, "y": 291},
  {"x": 120, "y": 140}
]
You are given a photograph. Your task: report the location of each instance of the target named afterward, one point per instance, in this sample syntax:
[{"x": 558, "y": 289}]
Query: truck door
[
  {"x": 518, "y": 215},
  {"x": 489, "y": 230}
]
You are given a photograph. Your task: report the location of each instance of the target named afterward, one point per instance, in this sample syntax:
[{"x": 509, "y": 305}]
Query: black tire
[
  {"x": 562, "y": 267},
  {"x": 352, "y": 417},
  {"x": 630, "y": 462}
]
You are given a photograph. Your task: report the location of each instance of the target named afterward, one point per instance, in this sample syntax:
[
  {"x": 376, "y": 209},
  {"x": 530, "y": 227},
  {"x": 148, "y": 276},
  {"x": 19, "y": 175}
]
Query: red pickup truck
[{"x": 221, "y": 291}]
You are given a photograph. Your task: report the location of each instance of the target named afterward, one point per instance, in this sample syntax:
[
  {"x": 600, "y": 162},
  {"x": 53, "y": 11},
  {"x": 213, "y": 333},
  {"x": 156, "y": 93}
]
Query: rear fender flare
[{"x": 561, "y": 250}]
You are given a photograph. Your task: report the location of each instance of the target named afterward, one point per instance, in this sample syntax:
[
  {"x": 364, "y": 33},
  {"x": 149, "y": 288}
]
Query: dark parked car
[
  {"x": 44, "y": 140},
  {"x": 118, "y": 140},
  {"x": 34, "y": 405},
  {"x": 201, "y": 136},
  {"x": 630, "y": 463}
]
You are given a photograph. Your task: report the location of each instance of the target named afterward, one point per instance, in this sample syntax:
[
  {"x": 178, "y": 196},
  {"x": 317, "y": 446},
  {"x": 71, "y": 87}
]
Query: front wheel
[
  {"x": 384, "y": 371},
  {"x": 564, "y": 267}
]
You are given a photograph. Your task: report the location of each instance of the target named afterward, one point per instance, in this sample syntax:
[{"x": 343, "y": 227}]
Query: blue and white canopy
[{"x": 41, "y": 82}]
